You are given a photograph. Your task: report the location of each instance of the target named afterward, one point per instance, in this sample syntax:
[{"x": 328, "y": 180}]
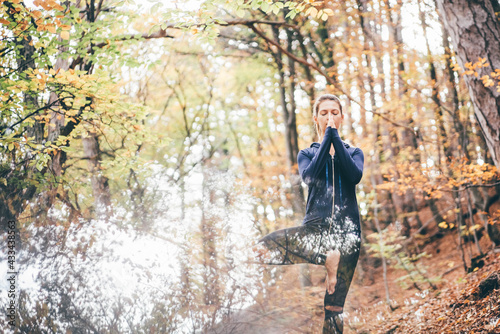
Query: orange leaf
[
  {"x": 65, "y": 34},
  {"x": 36, "y": 14},
  {"x": 58, "y": 7}
]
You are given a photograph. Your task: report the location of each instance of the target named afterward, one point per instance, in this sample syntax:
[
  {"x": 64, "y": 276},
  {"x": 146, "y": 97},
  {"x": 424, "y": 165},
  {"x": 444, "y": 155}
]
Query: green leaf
[
  {"x": 265, "y": 7},
  {"x": 291, "y": 14},
  {"x": 240, "y": 12}
]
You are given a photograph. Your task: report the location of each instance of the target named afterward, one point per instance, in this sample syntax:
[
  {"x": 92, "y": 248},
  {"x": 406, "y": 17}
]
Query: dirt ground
[{"x": 455, "y": 304}]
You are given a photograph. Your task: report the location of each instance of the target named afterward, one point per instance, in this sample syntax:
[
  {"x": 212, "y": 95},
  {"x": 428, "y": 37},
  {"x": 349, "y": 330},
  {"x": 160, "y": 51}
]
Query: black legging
[{"x": 310, "y": 244}]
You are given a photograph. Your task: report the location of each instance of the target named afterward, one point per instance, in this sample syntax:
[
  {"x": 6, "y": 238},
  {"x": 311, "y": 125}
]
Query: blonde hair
[{"x": 322, "y": 98}]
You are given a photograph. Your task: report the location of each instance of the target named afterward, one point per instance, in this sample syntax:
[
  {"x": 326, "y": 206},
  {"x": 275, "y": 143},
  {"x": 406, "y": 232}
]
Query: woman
[{"x": 330, "y": 232}]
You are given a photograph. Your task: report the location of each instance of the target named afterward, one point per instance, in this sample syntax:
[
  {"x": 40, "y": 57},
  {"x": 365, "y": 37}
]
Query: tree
[{"x": 475, "y": 33}]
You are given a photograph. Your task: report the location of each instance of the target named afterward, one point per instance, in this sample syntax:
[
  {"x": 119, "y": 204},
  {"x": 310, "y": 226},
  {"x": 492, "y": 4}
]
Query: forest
[{"x": 145, "y": 148}]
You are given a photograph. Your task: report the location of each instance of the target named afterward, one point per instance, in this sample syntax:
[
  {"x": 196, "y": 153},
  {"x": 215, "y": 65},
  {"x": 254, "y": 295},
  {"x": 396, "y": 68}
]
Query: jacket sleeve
[
  {"x": 309, "y": 169},
  {"x": 351, "y": 166}
]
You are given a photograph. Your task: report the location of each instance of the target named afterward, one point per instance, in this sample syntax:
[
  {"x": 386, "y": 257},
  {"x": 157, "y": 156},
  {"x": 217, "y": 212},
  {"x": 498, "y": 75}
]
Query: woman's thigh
[{"x": 300, "y": 244}]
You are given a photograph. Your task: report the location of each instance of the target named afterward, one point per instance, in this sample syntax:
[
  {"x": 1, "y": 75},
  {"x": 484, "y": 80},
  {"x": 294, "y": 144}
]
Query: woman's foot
[{"x": 331, "y": 265}]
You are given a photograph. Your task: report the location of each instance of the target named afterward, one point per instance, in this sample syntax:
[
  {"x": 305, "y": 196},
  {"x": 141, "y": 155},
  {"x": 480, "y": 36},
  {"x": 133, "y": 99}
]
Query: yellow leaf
[
  {"x": 475, "y": 227},
  {"x": 328, "y": 11},
  {"x": 65, "y": 34},
  {"x": 51, "y": 29}
]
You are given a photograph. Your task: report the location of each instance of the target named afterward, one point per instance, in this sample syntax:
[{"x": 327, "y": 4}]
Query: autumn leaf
[
  {"x": 36, "y": 14},
  {"x": 65, "y": 35},
  {"x": 51, "y": 28},
  {"x": 328, "y": 11}
]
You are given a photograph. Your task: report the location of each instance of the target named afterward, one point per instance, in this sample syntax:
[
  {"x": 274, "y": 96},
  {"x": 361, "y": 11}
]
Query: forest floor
[{"x": 460, "y": 302}]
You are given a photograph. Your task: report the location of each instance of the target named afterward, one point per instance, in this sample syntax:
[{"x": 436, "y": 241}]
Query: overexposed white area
[
  {"x": 132, "y": 271},
  {"x": 141, "y": 5}
]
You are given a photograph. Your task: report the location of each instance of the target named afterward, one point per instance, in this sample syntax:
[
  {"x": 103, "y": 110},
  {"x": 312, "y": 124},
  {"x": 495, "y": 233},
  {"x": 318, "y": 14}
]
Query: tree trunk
[
  {"x": 292, "y": 138},
  {"x": 100, "y": 187},
  {"x": 404, "y": 203},
  {"x": 442, "y": 142},
  {"x": 57, "y": 118},
  {"x": 475, "y": 33}
]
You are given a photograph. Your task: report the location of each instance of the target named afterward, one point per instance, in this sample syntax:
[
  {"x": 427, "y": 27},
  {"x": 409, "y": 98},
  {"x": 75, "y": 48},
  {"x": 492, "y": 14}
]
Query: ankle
[{"x": 334, "y": 309}]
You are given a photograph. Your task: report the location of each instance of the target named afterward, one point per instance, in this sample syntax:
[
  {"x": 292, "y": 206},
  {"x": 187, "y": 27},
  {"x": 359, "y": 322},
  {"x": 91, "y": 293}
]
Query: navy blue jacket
[{"x": 315, "y": 167}]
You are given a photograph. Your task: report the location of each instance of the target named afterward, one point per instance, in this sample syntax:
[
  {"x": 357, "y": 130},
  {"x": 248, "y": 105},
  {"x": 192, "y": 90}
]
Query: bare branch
[{"x": 327, "y": 77}]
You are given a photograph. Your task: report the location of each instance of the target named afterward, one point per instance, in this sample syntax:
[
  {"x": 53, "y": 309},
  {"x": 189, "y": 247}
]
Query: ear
[{"x": 315, "y": 119}]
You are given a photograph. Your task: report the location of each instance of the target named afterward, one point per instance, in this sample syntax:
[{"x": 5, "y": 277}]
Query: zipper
[{"x": 333, "y": 186}]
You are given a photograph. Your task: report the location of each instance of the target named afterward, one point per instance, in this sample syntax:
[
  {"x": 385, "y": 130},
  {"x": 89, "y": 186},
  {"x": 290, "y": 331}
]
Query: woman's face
[{"x": 326, "y": 109}]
